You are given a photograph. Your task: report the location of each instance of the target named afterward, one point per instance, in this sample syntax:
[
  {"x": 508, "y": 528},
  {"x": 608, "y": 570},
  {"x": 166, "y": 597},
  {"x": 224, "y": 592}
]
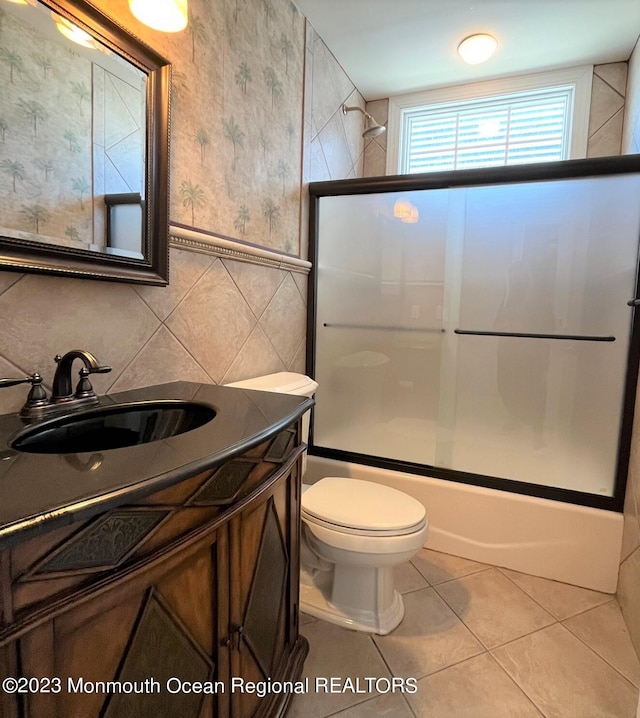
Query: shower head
[{"x": 372, "y": 128}]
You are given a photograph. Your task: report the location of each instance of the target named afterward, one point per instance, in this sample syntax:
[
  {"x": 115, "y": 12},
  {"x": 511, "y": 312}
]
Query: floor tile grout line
[
  {"x": 511, "y": 640},
  {"x": 455, "y": 578},
  {"x": 517, "y": 685},
  {"x": 451, "y": 665},
  {"x": 462, "y": 621},
  {"x": 409, "y": 706},
  {"x": 603, "y": 658},
  {"x": 558, "y": 619},
  {"x": 477, "y": 637},
  {"x": 524, "y": 635},
  {"x": 535, "y": 600},
  {"x": 612, "y": 599},
  {"x": 426, "y": 675},
  {"x": 346, "y": 708},
  {"x": 413, "y": 590},
  {"x": 420, "y": 573},
  {"x": 527, "y": 594},
  {"x": 371, "y": 697},
  {"x": 368, "y": 700},
  {"x": 379, "y": 651}
]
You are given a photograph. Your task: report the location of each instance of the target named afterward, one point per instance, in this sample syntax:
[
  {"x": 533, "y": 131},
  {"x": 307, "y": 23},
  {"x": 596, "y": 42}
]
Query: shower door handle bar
[
  {"x": 384, "y": 327},
  {"x": 529, "y": 335}
]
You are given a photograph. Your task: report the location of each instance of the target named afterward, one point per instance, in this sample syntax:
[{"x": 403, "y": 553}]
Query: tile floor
[{"x": 482, "y": 642}]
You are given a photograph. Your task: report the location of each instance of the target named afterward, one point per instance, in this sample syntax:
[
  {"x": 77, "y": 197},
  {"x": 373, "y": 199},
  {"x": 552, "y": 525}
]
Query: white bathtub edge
[{"x": 574, "y": 544}]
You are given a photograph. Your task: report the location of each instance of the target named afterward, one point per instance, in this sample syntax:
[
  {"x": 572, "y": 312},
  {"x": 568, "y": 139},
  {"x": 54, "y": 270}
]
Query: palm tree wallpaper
[
  {"x": 236, "y": 117},
  {"x": 45, "y": 144},
  {"x": 70, "y": 131}
]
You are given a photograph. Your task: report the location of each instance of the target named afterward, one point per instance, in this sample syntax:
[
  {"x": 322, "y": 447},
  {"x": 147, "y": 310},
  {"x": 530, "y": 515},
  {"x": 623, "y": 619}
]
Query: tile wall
[
  {"x": 219, "y": 320},
  {"x": 607, "y": 109},
  {"x": 333, "y": 144},
  {"x": 334, "y": 147}
]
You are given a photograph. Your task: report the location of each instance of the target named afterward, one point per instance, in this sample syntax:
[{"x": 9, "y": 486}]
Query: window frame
[{"x": 580, "y": 78}]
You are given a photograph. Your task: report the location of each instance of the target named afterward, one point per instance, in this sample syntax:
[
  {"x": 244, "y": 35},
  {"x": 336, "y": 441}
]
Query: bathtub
[{"x": 575, "y": 544}]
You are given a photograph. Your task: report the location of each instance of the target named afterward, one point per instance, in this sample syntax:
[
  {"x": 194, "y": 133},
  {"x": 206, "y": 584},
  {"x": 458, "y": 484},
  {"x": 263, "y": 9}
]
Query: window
[{"x": 533, "y": 118}]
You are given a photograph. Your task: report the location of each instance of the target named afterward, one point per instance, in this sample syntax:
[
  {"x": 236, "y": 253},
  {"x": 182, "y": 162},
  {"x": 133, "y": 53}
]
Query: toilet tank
[{"x": 285, "y": 382}]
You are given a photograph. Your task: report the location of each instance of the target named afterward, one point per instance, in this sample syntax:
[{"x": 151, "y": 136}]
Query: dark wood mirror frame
[{"x": 153, "y": 268}]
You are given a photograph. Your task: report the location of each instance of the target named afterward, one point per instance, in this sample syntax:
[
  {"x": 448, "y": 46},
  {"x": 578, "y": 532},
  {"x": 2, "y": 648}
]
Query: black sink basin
[{"x": 113, "y": 427}]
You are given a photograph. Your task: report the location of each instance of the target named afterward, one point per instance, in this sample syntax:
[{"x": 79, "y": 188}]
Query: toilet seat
[{"x": 361, "y": 508}]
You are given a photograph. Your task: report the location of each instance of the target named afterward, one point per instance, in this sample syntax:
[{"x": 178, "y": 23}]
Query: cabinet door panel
[
  {"x": 155, "y": 630},
  {"x": 162, "y": 647},
  {"x": 89, "y": 644},
  {"x": 189, "y": 593},
  {"x": 9, "y": 667},
  {"x": 261, "y": 603},
  {"x": 268, "y": 592}
]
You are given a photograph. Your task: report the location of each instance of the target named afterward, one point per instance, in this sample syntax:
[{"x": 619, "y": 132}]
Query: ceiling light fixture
[
  {"x": 477, "y": 48},
  {"x": 163, "y": 15}
]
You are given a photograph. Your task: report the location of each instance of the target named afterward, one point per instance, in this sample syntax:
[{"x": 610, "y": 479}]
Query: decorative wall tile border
[{"x": 197, "y": 241}]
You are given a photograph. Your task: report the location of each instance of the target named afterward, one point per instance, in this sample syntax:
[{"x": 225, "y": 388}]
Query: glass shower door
[
  {"x": 542, "y": 330},
  {"x": 380, "y": 264},
  {"x": 479, "y": 329}
]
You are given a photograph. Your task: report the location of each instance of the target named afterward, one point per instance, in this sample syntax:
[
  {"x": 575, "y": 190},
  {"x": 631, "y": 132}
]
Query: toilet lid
[{"x": 362, "y": 505}]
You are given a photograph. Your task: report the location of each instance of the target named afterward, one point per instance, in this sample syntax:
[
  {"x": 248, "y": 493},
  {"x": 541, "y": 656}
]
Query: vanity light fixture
[
  {"x": 73, "y": 32},
  {"x": 163, "y": 15},
  {"x": 477, "y": 48}
]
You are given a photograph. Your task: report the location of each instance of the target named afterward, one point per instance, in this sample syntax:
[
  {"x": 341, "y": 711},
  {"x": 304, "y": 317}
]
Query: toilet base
[{"x": 315, "y": 602}]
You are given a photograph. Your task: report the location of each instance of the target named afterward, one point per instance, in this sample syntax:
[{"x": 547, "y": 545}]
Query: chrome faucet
[{"x": 63, "y": 397}]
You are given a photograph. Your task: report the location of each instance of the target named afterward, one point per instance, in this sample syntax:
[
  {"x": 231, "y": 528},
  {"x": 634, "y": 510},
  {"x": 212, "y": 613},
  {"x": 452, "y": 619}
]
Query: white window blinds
[{"x": 502, "y": 130}]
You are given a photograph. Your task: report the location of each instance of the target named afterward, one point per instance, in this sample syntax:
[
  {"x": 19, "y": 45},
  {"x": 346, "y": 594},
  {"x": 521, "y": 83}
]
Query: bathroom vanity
[{"x": 169, "y": 568}]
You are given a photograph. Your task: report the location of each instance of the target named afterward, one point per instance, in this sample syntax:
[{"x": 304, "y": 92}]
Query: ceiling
[{"x": 392, "y": 47}]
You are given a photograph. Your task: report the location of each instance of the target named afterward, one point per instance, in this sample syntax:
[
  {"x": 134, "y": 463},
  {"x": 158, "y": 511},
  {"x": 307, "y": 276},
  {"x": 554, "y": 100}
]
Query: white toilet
[{"x": 353, "y": 534}]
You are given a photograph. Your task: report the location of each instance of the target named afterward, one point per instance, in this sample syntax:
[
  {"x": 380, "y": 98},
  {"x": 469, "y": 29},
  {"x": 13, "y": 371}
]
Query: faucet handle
[
  {"x": 37, "y": 395},
  {"x": 84, "y": 388},
  {"x": 34, "y": 378}
]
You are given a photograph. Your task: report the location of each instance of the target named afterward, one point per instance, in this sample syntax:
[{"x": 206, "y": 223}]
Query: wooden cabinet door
[
  {"x": 264, "y": 591},
  {"x": 157, "y": 625}
]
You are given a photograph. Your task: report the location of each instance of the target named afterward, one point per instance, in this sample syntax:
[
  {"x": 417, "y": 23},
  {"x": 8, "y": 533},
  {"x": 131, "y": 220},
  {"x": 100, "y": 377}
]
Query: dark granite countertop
[{"x": 39, "y": 492}]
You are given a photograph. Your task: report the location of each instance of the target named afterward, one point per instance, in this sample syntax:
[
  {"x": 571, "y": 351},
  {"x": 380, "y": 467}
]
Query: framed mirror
[{"x": 84, "y": 145}]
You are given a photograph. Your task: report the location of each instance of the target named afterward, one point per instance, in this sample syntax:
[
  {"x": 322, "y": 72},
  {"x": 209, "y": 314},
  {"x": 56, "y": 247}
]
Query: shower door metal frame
[{"x": 570, "y": 169}]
